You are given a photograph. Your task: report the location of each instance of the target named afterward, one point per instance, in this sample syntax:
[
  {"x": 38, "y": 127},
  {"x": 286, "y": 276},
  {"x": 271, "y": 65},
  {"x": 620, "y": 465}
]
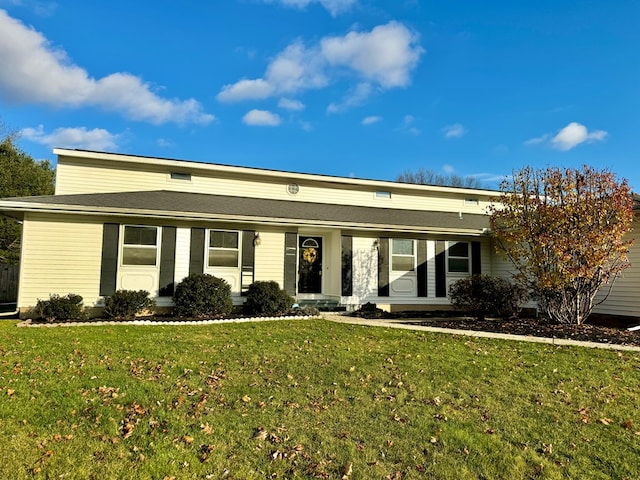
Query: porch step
[{"x": 324, "y": 305}]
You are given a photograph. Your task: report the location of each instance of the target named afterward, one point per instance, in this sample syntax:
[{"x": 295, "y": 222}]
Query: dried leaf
[
  {"x": 348, "y": 470},
  {"x": 605, "y": 421}
]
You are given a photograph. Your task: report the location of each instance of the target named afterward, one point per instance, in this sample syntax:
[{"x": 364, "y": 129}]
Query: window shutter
[
  {"x": 476, "y": 263},
  {"x": 167, "y": 261},
  {"x": 109, "y": 265},
  {"x": 196, "y": 257},
  {"x": 383, "y": 267},
  {"x": 441, "y": 269},
  {"x": 347, "y": 265},
  {"x": 290, "y": 262},
  {"x": 422, "y": 268},
  {"x": 248, "y": 259}
]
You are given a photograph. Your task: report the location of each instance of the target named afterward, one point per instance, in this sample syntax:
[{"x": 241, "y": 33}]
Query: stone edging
[{"x": 28, "y": 322}]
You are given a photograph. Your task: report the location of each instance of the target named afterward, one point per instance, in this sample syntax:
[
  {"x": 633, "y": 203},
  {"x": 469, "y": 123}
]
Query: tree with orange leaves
[{"x": 564, "y": 232}]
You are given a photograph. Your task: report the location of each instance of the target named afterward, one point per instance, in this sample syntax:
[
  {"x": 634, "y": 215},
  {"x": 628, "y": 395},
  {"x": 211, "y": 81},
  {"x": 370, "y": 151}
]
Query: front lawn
[{"x": 310, "y": 399}]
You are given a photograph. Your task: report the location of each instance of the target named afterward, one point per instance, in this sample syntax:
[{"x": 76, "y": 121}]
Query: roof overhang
[{"x": 168, "y": 205}]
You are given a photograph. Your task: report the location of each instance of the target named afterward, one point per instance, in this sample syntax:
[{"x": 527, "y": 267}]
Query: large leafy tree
[
  {"x": 564, "y": 231},
  {"x": 20, "y": 176}
]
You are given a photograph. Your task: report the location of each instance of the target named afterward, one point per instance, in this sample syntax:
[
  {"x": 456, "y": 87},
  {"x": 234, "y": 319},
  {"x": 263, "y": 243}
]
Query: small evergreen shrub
[
  {"x": 369, "y": 310},
  {"x": 60, "y": 308},
  {"x": 482, "y": 295},
  {"x": 307, "y": 310},
  {"x": 267, "y": 298},
  {"x": 127, "y": 303},
  {"x": 202, "y": 295}
]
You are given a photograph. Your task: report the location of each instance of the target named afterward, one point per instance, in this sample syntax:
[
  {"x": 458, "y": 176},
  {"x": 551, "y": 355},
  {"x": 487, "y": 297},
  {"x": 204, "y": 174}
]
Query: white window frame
[
  {"x": 404, "y": 255},
  {"x": 209, "y": 248},
  {"x": 124, "y": 246},
  {"x": 456, "y": 257}
]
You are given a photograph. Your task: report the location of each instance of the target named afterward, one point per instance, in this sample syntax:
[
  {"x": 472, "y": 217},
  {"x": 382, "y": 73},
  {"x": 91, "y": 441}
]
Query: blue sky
[{"x": 341, "y": 87}]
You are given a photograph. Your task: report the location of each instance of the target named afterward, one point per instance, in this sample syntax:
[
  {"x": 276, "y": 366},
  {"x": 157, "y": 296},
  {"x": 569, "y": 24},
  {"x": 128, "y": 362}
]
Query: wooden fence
[{"x": 9, "y": 283}]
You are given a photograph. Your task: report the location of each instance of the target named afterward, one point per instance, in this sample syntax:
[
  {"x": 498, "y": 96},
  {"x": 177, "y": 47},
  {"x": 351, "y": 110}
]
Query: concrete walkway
[{"x": 474, "y": 333}]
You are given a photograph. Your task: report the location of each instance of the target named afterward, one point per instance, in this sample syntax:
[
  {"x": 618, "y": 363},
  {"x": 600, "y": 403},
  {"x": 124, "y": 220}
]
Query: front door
[{"x": 310, "y": 265}]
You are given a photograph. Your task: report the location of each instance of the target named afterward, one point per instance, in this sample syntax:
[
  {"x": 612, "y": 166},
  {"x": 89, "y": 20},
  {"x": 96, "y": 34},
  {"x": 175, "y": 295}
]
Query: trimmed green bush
[
  {"x": 202, "y": 295},
  {"x": 266, "y": 298},
  {"x": 60, "y": 308},
  {"x": 369, "y": 310},
  {"x": 127, "y": 303},
  {"x": 482, "y": 295}
]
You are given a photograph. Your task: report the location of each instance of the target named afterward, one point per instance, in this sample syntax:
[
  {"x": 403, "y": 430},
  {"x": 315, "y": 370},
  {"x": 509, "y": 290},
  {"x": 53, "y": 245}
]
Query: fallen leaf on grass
[
  {"x": 187, "y": 439},
  {"x": 246, "y": 399},
  {"x": 627, "y": 424},
  {"x": 206, "y": 428},
  {"x": 605, "y": 421},
  {"x": 348, "y": 470}
]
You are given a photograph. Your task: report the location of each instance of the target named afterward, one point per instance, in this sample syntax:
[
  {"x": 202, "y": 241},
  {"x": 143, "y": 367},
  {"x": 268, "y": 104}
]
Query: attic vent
[
  {"x": 471, "y": 201},
  {"x": 180, "y": 176},
  {"x": 293, "y": 188},
  {"x": 383, "y": 195}
]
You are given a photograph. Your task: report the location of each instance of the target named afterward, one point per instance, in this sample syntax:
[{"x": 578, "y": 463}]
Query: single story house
[{"x": 131, "y": 222}]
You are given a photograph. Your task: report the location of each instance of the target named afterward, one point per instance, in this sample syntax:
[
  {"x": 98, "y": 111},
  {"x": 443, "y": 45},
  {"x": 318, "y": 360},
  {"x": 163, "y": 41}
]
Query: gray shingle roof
[{"x": 258, "y": 209}]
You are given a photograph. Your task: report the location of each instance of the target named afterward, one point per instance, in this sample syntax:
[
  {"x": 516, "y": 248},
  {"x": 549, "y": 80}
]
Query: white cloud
[
  {"x": 334, "y": 7},
  {"x": 261, "y": 118},
  {"x": 385, "y": 55},
  {"x": 289, "y": 104},
  {"x": 573, "y": 135},
  {"x": 371, "y": 120},
  {"x": 164, "y": 143},
  {"x": 407, "y": 125},
  {"x": 380, "y": 59},
  {"x": 355, "y": 97},
  {"x": 454, "y": 131},
  {"x": 449, "y": 169},
  {"x": 80, "y": 137},
  {"x": 569, "y": 137},
  {"x": 33, "y": 71}
]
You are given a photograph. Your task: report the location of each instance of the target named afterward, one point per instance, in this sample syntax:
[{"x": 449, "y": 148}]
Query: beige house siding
[
  {"x": 78, "y": 176},
  {"x": 269, "y": 257},
  {"x": 624, "y": 298},
  {"x": 60, "y": 255}
]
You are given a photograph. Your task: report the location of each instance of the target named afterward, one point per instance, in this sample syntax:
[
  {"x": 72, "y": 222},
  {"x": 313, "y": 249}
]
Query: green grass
[{"x": 309, "y": 399}]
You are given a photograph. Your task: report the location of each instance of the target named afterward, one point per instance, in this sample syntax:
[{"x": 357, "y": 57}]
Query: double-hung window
[
  {"x": 223, "y": 248},
  {"x": 458, "y": 257},
  {"x": 140, "y": 245},
  {"x": 403, "y": 255}
]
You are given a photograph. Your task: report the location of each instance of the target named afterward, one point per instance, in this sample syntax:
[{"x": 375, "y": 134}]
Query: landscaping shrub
[
  {"x": 60, "y": 308},
  {"x": 127, "y": 303},
  {"x": 202, "y": 295},
  {"x": 369, "y": 310},
  {"x": 482, "y": 295},
  {"x": 267, "y": 298},
  {"x": 307, "y": 310}
]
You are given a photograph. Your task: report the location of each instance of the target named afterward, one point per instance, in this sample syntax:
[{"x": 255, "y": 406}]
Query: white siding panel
[
  {"x": 183, "y": 250},
  {"x": 365, "y": 271},
  {"x": 99, "y": 176},
  {"x": 269, "y": 257},
  {"x": 61, "y": 255}
]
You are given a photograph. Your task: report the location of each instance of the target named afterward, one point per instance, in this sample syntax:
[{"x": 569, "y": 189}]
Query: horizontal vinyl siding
[
  {"x": 183, "y": 250},
  {"x": 269, "y": 258},
  {"x": 625, "y": 294},
  {"x": 59, "y": 256},
  {"x": 104, "y": 177}
]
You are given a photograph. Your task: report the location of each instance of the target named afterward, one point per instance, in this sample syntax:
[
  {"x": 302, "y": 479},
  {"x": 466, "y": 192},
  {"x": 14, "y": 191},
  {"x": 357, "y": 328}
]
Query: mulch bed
[{"x": 538, "y": 328}]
